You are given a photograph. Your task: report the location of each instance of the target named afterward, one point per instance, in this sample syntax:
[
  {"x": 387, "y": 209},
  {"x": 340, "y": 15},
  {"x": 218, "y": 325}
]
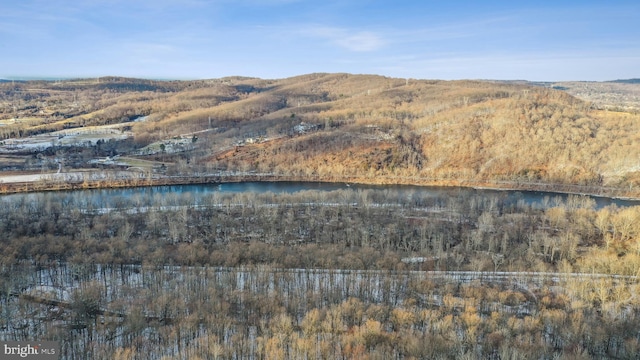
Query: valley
[{"x": 290, "y": 218}]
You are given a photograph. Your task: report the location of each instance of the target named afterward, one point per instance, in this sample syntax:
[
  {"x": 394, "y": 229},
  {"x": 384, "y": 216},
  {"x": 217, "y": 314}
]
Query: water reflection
[{"x": 175, "y": 195}]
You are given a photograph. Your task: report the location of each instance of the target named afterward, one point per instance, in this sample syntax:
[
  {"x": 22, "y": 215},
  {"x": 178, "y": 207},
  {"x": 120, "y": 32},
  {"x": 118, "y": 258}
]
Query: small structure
[{"x": 303, "y": 127}]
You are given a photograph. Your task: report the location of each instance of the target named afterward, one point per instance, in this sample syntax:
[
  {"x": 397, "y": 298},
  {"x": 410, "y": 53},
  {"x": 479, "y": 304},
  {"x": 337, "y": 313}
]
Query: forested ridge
[
  {"x": 345, "y": 274},
  {"x": 335, "y": 126}
]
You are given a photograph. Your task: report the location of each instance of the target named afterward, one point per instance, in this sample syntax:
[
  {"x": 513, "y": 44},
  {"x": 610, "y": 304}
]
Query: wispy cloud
[
  {"x": 361, "y": 41},
  {"x": 352, "y": 40},
  {"x": 547, "y": 66},
  {"x": 264, "y": 2},
  {"x": 282, "y": 37},
  {"x": 392, "y": 36},
  {"x": 150, "y": 48},
  {"x": 153, "y": 4}
]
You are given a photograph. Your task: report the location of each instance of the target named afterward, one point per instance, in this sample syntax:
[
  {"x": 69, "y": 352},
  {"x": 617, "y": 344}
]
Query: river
[{"x": 196, "y": 194}]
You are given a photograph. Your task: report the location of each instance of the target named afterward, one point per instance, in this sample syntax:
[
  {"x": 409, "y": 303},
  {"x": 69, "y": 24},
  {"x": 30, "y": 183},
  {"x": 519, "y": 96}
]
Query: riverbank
[{"x": 30, "y": 182}]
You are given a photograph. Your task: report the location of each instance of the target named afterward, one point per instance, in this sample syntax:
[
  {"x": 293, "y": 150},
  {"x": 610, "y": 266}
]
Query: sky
[{"x": 200, "y": 39}]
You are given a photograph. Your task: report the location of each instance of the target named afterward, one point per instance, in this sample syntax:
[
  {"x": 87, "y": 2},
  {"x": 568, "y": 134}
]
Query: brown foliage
[{"x": 370, "y": 127}]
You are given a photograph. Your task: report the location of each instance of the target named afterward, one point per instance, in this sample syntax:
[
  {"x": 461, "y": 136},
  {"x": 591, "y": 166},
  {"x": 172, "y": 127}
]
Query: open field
[{"x": 618, "y": 96}]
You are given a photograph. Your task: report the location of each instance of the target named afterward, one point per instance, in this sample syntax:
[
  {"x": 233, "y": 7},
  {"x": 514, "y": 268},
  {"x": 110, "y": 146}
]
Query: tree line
[
  {"x": 136, "y": 276},
  {"x": 167, "y": 312}
]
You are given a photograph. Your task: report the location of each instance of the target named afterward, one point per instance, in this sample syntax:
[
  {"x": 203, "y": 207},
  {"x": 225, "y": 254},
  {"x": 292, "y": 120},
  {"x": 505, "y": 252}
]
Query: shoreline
[{"x": 22, "y": 183}]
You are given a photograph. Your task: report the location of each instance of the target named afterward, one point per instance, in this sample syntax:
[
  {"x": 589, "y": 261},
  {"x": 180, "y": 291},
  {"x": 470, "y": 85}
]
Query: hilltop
[{"x": 331, "y": 127}]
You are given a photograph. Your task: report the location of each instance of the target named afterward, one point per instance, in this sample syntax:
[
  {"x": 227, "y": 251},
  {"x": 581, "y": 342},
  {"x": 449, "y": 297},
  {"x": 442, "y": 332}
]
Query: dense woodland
[
  {"x": 335, "y": 126},
  {"x": 188, "y": 281},
  {"x": 347, "y": 274}
]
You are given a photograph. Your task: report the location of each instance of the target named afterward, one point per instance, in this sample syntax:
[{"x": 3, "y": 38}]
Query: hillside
[
  {"x": 351, "y": 272},
  {"x": 334, "y": 127}
]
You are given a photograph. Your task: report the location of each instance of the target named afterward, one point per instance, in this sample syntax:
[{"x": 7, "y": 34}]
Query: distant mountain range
[
  {"x": 628, "y": 81},
  {"x": 45, "y": 78}
]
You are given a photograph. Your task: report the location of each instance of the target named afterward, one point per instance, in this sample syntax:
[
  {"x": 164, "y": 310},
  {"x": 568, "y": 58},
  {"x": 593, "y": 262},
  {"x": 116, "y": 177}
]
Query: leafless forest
[
  {"x": 341, "y": 274},
  {"x": 344, "y": 274}
]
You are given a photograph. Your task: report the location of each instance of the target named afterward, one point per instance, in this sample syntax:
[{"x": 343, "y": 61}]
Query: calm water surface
[{"x": 194, "y": 193}]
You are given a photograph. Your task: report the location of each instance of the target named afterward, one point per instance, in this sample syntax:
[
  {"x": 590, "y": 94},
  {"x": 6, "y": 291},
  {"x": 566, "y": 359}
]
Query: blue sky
[{"x": 196, "y": 39}]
